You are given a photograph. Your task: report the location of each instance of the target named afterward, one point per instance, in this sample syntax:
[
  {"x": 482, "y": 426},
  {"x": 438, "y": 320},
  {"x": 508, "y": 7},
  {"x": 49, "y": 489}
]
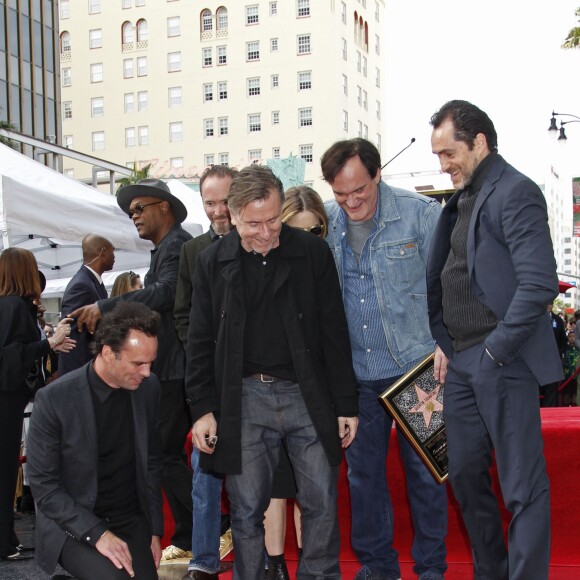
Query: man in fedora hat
[{"x": 157, "y": 214}]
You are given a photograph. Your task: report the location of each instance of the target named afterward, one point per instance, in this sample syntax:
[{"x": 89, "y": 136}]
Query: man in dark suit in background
[
  {"x": 85, "y": 287},
  {"x": 490, "y": 276},
  {"x": 94, "y": 458}
]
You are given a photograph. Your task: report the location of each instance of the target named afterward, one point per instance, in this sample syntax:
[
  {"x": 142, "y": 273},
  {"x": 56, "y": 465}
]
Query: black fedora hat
[{"x": 151, "y": 188}]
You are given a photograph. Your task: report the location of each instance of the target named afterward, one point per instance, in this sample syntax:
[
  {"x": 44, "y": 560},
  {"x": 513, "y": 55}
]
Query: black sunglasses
[
  {"x": 138, "y": 209},
  {"x": 316, "y": 230}
]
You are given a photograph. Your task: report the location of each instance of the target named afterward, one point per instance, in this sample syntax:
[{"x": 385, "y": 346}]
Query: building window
[
  {"x": 222, "y": 55},
  {"x": 224, "y": 159},
  {"x": 176, "y": 162},
  {"x": 254, "y": 122},
  {"x": 129, "y": 102},
  {"x": 174, "y": 94},
  {"x": 94, "y": 6},
  {"x": 379, "y": 142},
  {"x": 67, "y": 141},
  {"x": 304, "y": 80},
  {"x": 67, "y": 109},
  {"x": 364, "y": 67},
  {"x": 222, "y": 88},
  {"x": 127, "y": 33},
  {"x": 276, "y": 152},
  {"x": 344, "y": 49},
  {"x": 208, "y": 159},
  {"x": 275, "y": 117},
  {"x": 97, "y": 107},
  {"x": 345, "y": 120},
  {"x": 143, "y": 100},
  {"x": 126, "y": 4},
  {"x": 208, "y": 127},
  {"x": 345, "y": 85},
  {"x": 365, "y": 100},
  {"x": 66, "y": 77},
  {"x": 206, "y": 21},
  {"x": 303, "y": 43},
  {"x": 377, "y": 44},
  {"x": 275, "y": 81},
  {"x": 175, "y": 132},
  {"x": 95, "y": 38},
  {"x": 306, "y": 153},
  {"x": 129, "y": 137},
  {"x": 144, "y": 135},
  {"x": 223, "y": 125},
  {"x": 273, "y": 44},
  {"x": 65, "y": 45},
  {"x": 378, "y": 78},
  {"x": 128, "y": 68},
  {"x": 360, "y": 133},
  {"x": 253, "y": 50},
  {"x": 173, "y": 26},
  {"x": 139, "y": 2},
  {"x": 359, "y": 95},
  {"x": 174, "y": 61},
  {"x": 305, "y": 117},
  {"x": 302, "y": 8},
  {"x": 142, "y": 66},
  {"x": 343, "y": 12},
  {"x": 252, "y": 15},
  {"x": 273, "y": 8},
  {"x": 142, "y": 31},
  {"x": 358, "y": 61},
  {"x": 377, "y": 12},
  {"x": 207, "y": 92},
  {"x": 254, "y": 155},
  {"x": 222, "y": 18},
  {"x": 64, "y": 9},
  {"x": 97, "y": 72},
  {"x": 207, "y": 57},
  {"x": 98, "y": 140},
  {"x": 253, "y": 87}
]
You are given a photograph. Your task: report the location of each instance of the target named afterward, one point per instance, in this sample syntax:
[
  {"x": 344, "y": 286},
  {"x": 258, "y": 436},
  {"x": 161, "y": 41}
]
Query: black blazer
[
  {"x": 63, "y": 458},
  {"x": 82, "y": 290},
  {"x": 308, "y": 295}
]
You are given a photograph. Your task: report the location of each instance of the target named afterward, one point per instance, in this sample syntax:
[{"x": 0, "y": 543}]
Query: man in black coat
[
  {"x": 157, "y": 215},
  {"x": 85, "y": 287},
  {"x": 94, "y": 457},
  {"x": 269, "y": 364}
]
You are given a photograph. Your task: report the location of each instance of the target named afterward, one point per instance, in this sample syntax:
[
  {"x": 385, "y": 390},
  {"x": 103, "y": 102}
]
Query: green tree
[
  {"x": 7, "y": 140},
  {"x": 573, "y": 38},
  {"x": 136, "y": 175}
]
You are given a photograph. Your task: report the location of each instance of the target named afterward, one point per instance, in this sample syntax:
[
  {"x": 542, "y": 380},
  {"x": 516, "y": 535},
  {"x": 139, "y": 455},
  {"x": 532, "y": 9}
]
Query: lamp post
[{"x": 561, "y": 132}]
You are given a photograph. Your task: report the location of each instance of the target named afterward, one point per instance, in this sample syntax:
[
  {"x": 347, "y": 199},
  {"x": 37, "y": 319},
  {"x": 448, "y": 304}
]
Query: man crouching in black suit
[{"x": 94, "y": 458}]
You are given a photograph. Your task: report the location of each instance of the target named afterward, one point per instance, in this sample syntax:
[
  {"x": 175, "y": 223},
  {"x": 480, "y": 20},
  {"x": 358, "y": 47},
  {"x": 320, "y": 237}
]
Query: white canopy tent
[{"x": 47, "y": 213}]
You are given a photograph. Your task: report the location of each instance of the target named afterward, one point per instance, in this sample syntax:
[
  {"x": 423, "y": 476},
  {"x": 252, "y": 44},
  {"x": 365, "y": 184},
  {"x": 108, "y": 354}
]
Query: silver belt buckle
[{"x": 270, "y": 380}]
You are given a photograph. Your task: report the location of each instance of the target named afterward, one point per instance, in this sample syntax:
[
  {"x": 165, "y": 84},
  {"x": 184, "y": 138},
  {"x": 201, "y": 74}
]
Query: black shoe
[
  {"x": 16, "y": 557},
  {"x": 199, "y": 575},
  {"x": 278, "y": 571},
  {"x": 22, "y": 548}
]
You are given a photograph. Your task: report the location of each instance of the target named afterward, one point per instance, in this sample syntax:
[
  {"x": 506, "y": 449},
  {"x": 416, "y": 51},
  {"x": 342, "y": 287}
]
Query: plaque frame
[{"x": 432, "y": 450}]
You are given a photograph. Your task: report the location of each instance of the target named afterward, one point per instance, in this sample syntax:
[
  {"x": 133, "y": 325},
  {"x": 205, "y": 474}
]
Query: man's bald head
[{"x": 98, "y": 253}]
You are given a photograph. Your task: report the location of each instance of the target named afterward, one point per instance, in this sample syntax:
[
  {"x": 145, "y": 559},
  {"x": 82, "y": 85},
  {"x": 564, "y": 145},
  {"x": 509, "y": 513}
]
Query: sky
[{"x": 502, "y": 55}]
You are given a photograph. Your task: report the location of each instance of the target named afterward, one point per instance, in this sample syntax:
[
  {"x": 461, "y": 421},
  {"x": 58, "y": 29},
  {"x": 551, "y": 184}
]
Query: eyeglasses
[
  {"x": 138, "y": 209},
  {"x": 316, "y": 230}
]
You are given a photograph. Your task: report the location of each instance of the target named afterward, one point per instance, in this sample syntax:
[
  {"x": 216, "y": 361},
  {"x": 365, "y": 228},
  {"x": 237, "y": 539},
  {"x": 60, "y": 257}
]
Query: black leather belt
[{"x": 262, "y": 377}]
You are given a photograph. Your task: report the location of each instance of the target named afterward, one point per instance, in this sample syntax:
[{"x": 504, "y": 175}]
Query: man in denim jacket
[{"x": 380, "y": 239}]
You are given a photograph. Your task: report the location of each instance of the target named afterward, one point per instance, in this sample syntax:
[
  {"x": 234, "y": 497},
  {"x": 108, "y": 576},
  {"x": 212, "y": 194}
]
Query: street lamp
[{"x": 553, "y": 129}]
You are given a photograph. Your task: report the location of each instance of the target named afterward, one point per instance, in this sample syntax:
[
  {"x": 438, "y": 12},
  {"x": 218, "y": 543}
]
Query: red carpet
[{"x": 561, "y": 430}]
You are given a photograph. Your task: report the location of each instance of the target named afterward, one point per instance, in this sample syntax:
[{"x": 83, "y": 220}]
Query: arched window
[
  {"x": 222, "y": 18},
  {"x": 360, "y": 30},
  {"x": 127, "y": 33},
  {"x": 142, "y": 31},
  {"x": 366, "y": 35},
  {"x": 206, "y": 21},
  {"x": 64, "y": 42}
]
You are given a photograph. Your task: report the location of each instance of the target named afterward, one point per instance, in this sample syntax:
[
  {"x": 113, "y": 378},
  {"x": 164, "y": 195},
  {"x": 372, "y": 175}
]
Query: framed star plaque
[{"x": 415, "y": 402}]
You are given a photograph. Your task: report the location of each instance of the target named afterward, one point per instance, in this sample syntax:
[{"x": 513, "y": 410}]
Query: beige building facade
[{"x": 183, "y": 84}]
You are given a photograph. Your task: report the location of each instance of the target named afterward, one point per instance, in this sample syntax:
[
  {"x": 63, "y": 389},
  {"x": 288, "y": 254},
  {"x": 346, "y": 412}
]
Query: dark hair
[
  {"x": 216, "y": 171},
  {"x": 335, "y": 158},
  {"x": 303, "y": 198},
  {"x": 19, "y": 274},
  {"x": 468, "y": 120},
  {"x": 114, "y": 327},
  {"x": 250, "y": 184}
]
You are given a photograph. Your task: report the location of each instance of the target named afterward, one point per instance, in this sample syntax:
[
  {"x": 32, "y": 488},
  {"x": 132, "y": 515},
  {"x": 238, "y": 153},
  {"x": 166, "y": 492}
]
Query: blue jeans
[
  {"x": 206, "y": 494},
  {"x": 271, "y": 413},
  {"x": 372, "y": 511}
]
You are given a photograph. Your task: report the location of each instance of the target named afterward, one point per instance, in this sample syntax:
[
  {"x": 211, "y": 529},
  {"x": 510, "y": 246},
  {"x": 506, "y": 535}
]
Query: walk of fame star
[{"x": 428, "y": 404}]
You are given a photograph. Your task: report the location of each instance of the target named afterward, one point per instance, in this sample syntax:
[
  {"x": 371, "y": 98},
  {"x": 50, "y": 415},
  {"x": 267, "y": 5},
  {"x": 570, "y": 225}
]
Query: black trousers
[
  {"x": 85, "y": 562},
  {"x": 12, "y": 405},
  {"x": 175, "y": 424}
]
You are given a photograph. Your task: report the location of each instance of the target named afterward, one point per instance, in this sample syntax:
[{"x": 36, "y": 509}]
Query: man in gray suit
[
  {"x": 490, "y": 276},
  {"x": 95, "y": 461}
]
